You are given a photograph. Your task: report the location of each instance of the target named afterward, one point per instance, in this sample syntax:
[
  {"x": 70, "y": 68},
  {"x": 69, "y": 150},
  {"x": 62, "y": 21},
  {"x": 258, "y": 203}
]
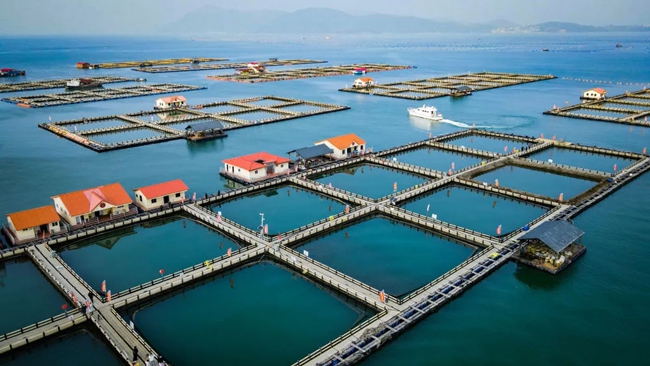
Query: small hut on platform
[
  {"x": 311, "y": 156},
  {"x": 204, "y": 131},
  {"x": 552, "y": 245},
  {"x": 461, "y": 91}
]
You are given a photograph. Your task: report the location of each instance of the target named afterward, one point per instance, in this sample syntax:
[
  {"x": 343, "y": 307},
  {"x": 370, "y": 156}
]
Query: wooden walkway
[{"x": 394, "y": 315}]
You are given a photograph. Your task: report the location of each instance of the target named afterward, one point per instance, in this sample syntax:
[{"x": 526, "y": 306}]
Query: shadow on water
[
  {"x": 540, "y": 280},
  {"x": 211, "y": 146}
]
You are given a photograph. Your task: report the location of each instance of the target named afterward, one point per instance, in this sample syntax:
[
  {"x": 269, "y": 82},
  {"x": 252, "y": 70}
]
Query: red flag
[
  {"x": 395, "y": 186},
  {"x": 499, "y": 230},
  {"x": 347, "y": 209},
  {"x": 505, "y": 149},
  {"x": 229, "y": 252},
  {"x": 104, "y": 286},
  {"x": 108, "y": 296},
  {"x": 382, "y": 296},
  {"x": 449, "y": 172},
  {"x": 614, "y": 167},
  {"x": 561, "y": 197},
  {"x": 644, "y": 151},
  {"x": 553, "y": 138},
  {"x": 496, "y": 182},
  {"x": 74, "y": 298},
  {"x": 219, "y": 218},
  {"x": 64, "y": 306},
  {"x": 162, "y": 272},
  {"x": 266, "y": 229}
]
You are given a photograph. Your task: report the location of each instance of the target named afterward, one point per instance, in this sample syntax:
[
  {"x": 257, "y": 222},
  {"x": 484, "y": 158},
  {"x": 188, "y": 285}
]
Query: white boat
[{"x": 426, "y": 112}]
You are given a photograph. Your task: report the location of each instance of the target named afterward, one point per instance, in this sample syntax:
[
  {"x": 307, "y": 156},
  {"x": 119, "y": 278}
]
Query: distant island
[{"x": 212, "y": 19}]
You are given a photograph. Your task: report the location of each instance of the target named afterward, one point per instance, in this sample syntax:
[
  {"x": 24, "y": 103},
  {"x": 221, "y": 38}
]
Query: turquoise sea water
[
  {"x": 488, "y": 211},
  {"x": 435, "y": 159},
  {"x": 27, "y": 294},
  {"x": 594, "y": 313},
  {"x": 136, "y": 255},
  {"x": 397, "y": 258},
  {"x": 285, "y": 208},
  {"x": 603, "y": 163},
  {"x": 77, "y": 348},
  {"x": 369, "y": 180},
  {"x": 260, "y": 315},
  {"x": 537, "y": 181},
  {"x": 488, "y": 144}
]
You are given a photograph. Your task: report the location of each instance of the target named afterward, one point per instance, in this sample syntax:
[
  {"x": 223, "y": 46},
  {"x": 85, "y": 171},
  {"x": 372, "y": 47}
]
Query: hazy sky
[{"x": 51, "y": 16}]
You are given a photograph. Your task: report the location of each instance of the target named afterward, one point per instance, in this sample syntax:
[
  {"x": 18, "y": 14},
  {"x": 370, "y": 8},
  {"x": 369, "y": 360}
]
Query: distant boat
[
  {"x": 360, "y": 71},
  {"x": 83, "y": 84},
  {"x": 618, "y": 45},
  {"x": 545, "y": 50},
  {"x": 11, "y": 72},
  {"x": 426, "y": 112}
]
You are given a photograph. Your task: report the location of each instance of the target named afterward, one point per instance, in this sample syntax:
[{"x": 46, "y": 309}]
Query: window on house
[
  {"x": 256, "y": 172},
  {"x": 140, "y": 198},
  {"x": 153, "y": 200},
  {"x": 55, "y": 224},
  {"x": 239, "y": 170},
  {"x": 342, "y": 151},
  {"x": 178, "y": 195}
]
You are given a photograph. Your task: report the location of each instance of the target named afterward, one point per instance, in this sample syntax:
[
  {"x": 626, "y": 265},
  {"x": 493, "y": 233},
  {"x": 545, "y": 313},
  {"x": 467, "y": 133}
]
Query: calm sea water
[{"x": 593, "y": 313}]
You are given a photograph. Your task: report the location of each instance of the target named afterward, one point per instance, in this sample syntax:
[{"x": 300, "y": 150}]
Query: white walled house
[
  {"x": 363, "y": 83},
  {"x": 156, "y": 195},
  {"x": 98, "y": 203},
  {"x": 344, "y": 146},
  {"x": 33, "y": 224},
  {"x": 594, "y": 94},
  {"x": 255, "y": 167},
  {"x": 177, "y": 101}
]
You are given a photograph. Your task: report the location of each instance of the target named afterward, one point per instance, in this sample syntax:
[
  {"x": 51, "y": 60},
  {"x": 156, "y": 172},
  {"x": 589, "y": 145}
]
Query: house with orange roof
[
  {"x": 365, "y": 82},
  {"x": 594, "y": 94},
  {"x": 33, "y": 224},
  {"x": 157, "y": 195},
  {"x": 255, "y": 167},
  {"x": 176, "y": 101},
  {"x": 344, "y": 146},
  {"x": 93, "y": 204}
]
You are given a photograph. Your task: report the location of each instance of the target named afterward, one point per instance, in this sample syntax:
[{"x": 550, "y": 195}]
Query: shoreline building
[
  {"x": 594, "y": 94},
  {"x": 255, "y": 167},
  {"x": 156, "y": 195},
  {"x": 366, "y": 82},
  {"x": 93, "y": 204},
  {"x": 176, "y": 101},
  {"x": 33, "y": 224},
  {"x": 344, "y": 146}
]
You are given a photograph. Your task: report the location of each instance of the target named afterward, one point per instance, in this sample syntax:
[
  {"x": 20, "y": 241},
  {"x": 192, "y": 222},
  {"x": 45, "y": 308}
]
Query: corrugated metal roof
[
  {"x": 557, "y": 235},
  {"x": 312, "y": 151},
  {"x": 463, "y": 87},
  {"x": 205, "y": 126}
]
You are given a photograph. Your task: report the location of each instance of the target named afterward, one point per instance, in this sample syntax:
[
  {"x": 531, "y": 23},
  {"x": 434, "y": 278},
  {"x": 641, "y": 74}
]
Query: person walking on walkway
[{"x": 135, "y": 353}]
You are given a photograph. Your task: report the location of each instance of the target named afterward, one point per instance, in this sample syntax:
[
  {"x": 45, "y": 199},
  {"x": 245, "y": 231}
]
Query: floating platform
[
  {"x": 152, "y": 127},
  {"x": 223, "y": 66},
  {"x": 393, "y": 315},
  {"x": 146, "y": 63},
  {"x": 447, "y": 86},
  {"x": 97, "y": 95},
  {"x": 55, "y": 84},
  {"x": 630, "y": 108},
  {"x": 314, "y": 72}
]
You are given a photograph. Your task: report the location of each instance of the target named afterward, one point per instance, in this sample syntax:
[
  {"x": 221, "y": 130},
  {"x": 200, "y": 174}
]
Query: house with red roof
[
  {"x": 365, "y": 82},
  {"x": 344, "y": 146},
  {"x": 90, "y": 204},
  {"x": 33, "y": 224},
  {"x": 255, "y": 167},
  {"x": 157, "y": 195},
  {"x": 176, "y": 101},
  {"x": 594, "y": 94}
]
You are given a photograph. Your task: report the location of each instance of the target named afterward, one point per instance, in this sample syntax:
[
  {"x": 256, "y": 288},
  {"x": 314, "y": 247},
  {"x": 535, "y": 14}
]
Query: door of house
[
  {"x": 43, "y": 228},
  {"x": 166, "y": 199}
]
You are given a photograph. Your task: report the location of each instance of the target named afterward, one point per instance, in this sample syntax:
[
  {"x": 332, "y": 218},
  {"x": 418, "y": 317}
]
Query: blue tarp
[
  {"x": 557, "y": 235},
  {"x": 312, "y": 151}
]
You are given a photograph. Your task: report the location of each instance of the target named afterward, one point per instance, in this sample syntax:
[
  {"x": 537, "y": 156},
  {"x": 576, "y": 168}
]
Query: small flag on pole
[
  {"x": 194, "y": 197},
  {"x": 473, "y": 125},
  {"x": 151, "y": 118},
  {"x": 75, "y": 128},
  {"x": 505, "y": 149},
  {"x": 496, "y": 182},
  {"x": 50, "y": 117},
  {"x": 104, "y": 286},
  {"x": 449, "y": 172},
  {"x": 614, "y": 167},
  {"x": 428, "y": 206},
  {"x": 382, "y": 296},
  {"x": 561, "y": 197},
  {"x": 644, "y": 151},
  {"x": 162, "y": 272},
  {"x": 499, "y": 230},
  {"x": 395, "y": 186},
  {"x": 429, "y": 134},
  {"x": 347, "y": 209},
  {"x": 305, "y": 253},
  {"x": 453, "y": 166},
  {"x": 541, "y": 136},
  {"x": 182, "y": 199},
  {"x": 229, "y": 253},
  {"x": 108, "y": 296},
  {"x": 266, "y": 229},
  {"x": 330, "y": 185}
]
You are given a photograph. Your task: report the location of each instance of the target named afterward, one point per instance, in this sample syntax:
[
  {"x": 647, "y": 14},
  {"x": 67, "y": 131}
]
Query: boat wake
[{"x": 465, "y": 125}]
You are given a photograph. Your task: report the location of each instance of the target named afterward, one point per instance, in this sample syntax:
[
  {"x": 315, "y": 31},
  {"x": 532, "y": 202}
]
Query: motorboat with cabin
[
  {"x": 83, "y": 84},
  {"x": 428, "y": 112}
]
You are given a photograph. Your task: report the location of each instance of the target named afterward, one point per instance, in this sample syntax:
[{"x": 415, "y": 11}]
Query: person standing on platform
[{"x": 135, "y": 354}]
